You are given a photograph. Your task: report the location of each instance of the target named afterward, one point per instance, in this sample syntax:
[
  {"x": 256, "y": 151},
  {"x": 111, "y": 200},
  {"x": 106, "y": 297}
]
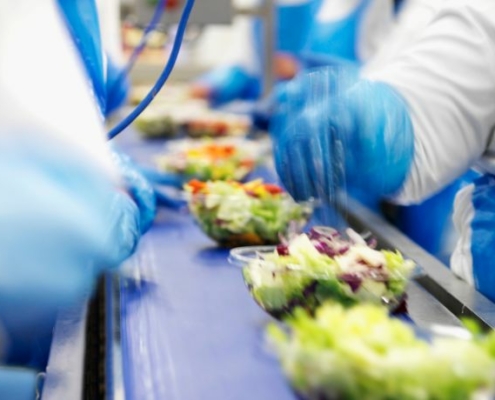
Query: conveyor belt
[{"x": 190, "y": 329}]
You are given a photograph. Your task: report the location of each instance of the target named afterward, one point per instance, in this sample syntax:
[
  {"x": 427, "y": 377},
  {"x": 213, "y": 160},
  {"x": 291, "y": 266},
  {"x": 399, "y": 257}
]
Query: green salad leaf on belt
[
  {"x": 254, "y": 213},
  {"x": 363, "y": 354},
  {"x": 322, "y": 265}
]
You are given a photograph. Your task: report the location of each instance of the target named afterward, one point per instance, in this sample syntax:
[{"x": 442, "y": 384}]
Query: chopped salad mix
[
  {"x": 362, "y": 353},
  {"x": 236, "y": 214},
  {"x": 153, "y": 123},
  {"x": 216, "y": 124},
  {"x": 322, "y": 265},
  {"x": 211, "y": 160}
]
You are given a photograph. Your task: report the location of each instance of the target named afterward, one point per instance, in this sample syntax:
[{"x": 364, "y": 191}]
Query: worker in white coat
[
  {"x": 411, "y": 127},
  {"x": 65, "y": 212}
]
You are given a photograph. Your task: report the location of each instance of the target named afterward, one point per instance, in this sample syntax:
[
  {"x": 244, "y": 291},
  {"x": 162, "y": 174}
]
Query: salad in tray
[
  {"x": 156, "y": 123},
  {"x": 321, "y": 265},
  {"x": 216, "y": 124},
  {"x": 254, "y": 213},
  {"x": 362, "y": 353},
  {"x": 207, "y": 160}
]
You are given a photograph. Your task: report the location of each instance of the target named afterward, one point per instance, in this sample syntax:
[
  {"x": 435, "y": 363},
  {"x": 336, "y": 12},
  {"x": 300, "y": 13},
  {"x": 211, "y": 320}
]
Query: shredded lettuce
[
  {"x": 362, "y": 353},
  {"x": 330, "y": 267},
  {"x": 228, "y": 213}
]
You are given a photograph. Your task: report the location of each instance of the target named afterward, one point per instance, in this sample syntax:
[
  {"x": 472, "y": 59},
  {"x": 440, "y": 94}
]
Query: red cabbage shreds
[
  {"x": 282, "y": 250},
  {"x": 219, "y": 222},
  {"x": 353, "y": 280},
  {"x": 318, "y": 232},
  {"x": 372, "y": 242},
  {"x": 331, "y": 248}
]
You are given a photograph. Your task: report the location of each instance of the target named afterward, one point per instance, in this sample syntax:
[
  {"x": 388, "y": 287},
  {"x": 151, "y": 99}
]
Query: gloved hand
[
  {"x": 344, "y": 132},
  {"x": 139, "y": 188},
  {"x": 226, "y": 84}
]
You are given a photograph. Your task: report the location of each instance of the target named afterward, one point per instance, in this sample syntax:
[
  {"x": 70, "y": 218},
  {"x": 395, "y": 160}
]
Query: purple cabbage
[
  {"x": 282, "y": 250},
  {"x": 353, "y": 280},
  {"x": 329, "y": 247},
  {"x": 319, "y": 232}
]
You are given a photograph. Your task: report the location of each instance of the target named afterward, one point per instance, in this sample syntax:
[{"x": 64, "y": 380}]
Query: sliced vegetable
[
  {"x": 325, "y": 266},
  {"x": 207, "y": 160},
  {"x": 362, "y": 353},
  {"x": 254, "y": 213}
]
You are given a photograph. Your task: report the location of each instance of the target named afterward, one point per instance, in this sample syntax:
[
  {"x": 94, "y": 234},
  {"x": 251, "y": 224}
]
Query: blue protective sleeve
[
  {"x": 82, "y": 21},
  {"x": 17, "y": 384},
  {"x": 337, "y": 39},
  {"x": 54, "y": 239}
]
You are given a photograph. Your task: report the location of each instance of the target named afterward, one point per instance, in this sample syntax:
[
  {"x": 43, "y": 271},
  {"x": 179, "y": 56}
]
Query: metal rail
[{"x": 449, "y": 293}]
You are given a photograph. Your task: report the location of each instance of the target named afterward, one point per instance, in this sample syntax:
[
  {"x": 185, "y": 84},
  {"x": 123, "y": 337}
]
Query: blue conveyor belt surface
[
  {"x": 190, "y": 329},
  {"x": 193, "y": 332}
]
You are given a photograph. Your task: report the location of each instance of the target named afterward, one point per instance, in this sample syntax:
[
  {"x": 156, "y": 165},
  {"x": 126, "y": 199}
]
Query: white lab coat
[
  {"x": 447, "y": 77},
  {"x": 43, "y": 87},
  {"x": 109, "y": 17}
]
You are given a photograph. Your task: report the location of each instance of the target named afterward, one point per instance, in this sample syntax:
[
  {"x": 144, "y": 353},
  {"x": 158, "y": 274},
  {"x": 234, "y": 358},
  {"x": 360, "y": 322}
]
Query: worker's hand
[
  {"x": 344, "y": 131},
  {"x": 225, "y": 84},
  {"x": 139, "y": 188},
  {"x": 123, "y": 227}
]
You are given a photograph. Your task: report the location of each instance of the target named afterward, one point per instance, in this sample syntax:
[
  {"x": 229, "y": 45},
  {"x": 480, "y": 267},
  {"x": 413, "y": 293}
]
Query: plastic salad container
[
  {"x": 155, "y": 123},
  {"x": 363, "y": 353},
  {"x": 214, "y": 124},
  {"x": 323, "y": 265},
  {"x": 207, "y": 160},
  {"x": 254, "y": 213}
]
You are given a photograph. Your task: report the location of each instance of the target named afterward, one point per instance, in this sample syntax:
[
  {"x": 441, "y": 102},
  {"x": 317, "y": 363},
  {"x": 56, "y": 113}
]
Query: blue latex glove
[
  {"x": 17, "y": 384},
  {"x": 140, "y": 189},
  {"x": 124, "y": 224},
  {"x": 348, "y": 132},
  {"x": 229, "y": 83}
]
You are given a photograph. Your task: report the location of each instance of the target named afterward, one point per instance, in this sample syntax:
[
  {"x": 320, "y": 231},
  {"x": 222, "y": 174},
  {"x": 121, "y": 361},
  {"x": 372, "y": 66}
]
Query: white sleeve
[
  {"x": 447, "y": 77},
  {"x": 43, "y": 87},
  {"x": 109, "y": 17},
  {"x": 413, "y": 17}
]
